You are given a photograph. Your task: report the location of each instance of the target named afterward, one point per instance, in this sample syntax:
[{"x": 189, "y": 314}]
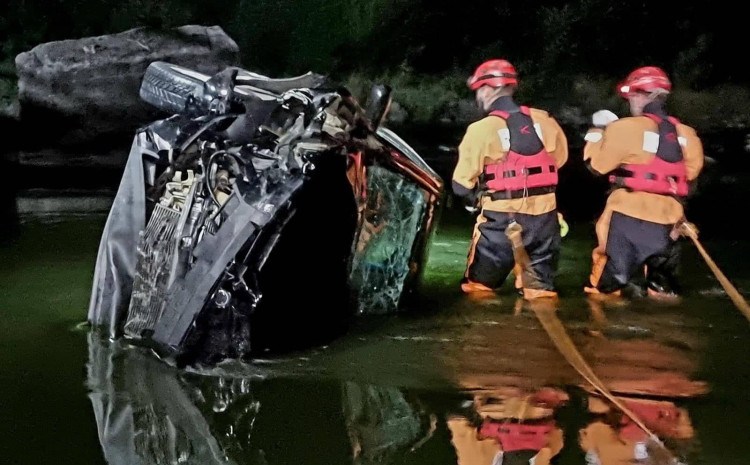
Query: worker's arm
[
  {"x": 607, "y": 148},
  {"x": 476, "y": 144},
  {"x": 559, "y": 148},
  {"x": 692, "y": 151}
]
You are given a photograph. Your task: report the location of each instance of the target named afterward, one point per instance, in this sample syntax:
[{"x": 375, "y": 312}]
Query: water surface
[{"x": 395, "y": 389}]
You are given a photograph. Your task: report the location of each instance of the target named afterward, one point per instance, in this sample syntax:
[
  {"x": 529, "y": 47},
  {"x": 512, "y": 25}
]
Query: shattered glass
[
  {"x": 382, "y": 422},
  {"x": 393, "y": 215}
]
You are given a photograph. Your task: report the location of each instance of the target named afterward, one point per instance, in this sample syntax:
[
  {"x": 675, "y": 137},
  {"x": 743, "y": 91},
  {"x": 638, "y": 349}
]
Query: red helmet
[
  {"x": 493, "y": 73},
  {"x": 646, "y": 79}
]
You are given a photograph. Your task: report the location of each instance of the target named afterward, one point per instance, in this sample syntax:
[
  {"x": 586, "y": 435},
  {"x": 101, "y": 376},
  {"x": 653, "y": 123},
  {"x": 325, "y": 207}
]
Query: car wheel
[{"x": 169, "y": 87}]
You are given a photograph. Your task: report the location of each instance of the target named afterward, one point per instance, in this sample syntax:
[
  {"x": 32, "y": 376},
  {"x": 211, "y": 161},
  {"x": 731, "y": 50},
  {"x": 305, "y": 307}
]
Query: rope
[
  {"x": 556, "y": 332},
  {"x": 689, "y": 230}
]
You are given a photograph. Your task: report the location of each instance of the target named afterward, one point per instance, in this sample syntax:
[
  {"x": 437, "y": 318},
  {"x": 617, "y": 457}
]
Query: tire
[{"x": 168, "y": 87}]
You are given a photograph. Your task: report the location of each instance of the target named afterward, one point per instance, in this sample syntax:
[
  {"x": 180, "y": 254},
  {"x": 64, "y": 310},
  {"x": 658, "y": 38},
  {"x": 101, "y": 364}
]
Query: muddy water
[{"x": 419, "y": 387}]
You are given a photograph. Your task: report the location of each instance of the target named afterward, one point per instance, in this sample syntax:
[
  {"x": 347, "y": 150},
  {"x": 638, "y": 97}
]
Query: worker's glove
[
  {"x": 592, "y": 457},
  {"x": 471, "y": 208},
  {"x": 602, "y": 118},
  {"x": 564, "y": 228},
  {"x": 472, "y": 202}
]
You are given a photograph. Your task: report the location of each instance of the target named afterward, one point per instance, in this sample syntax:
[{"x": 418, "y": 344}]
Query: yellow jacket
[
  {"x": 481, "y": 145},
  {"x": 625, "y": 141}
]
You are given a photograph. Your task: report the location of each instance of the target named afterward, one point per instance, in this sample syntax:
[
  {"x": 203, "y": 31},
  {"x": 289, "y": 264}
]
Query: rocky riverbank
[{"x": 79, "y": 98}]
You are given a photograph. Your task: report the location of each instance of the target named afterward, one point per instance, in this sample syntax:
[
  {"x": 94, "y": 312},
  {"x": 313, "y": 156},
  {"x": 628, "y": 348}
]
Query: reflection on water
[
  {"x": 384, "y": 422},
  {"x": 612, "y": 438},
  {"x": 510, "y": 427},
  {"x": 453, "y": 378},
  {"x": 149, "y": 413}
]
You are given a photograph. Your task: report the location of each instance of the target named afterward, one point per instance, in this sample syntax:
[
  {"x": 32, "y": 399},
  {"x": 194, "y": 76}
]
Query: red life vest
[
  {"x": 665, "y": 173},
  {"x": 521, "y": 174},
  {"x": 662, "y": 417},
  {"x": 518, "y": 436}
]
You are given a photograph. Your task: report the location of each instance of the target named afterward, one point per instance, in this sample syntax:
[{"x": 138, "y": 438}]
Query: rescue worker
[
  {"x": 650, "y": 158},
  {"x": 510, "y": 429},
  {"x": 611, "y": 438},
  {"x": 508, "y": 164}
]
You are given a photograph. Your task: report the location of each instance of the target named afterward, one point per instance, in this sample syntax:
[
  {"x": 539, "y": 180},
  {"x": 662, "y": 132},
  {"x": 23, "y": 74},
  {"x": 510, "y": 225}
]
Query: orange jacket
[
  {"x": 633, "y": 140},
  {"x": 625, "y": 442},
  {"x": 482, "y": 145}
]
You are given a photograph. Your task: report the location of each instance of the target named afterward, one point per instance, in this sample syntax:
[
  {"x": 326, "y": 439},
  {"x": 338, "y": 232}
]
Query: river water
[{"x": 411, "y": 388}]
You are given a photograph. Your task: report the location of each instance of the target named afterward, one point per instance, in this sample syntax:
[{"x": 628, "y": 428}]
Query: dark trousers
[
  {"x": 632, "y": 244},
  {"x": 491, "y": 254}
]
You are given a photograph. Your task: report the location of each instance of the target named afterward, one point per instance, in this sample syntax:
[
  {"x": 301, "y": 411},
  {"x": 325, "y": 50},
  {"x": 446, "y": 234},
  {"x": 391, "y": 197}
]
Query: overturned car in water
[{"x": 259, "y": 214}]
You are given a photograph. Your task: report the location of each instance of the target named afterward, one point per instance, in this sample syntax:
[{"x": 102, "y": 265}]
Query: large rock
[{"x": 75, "y": 91}]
